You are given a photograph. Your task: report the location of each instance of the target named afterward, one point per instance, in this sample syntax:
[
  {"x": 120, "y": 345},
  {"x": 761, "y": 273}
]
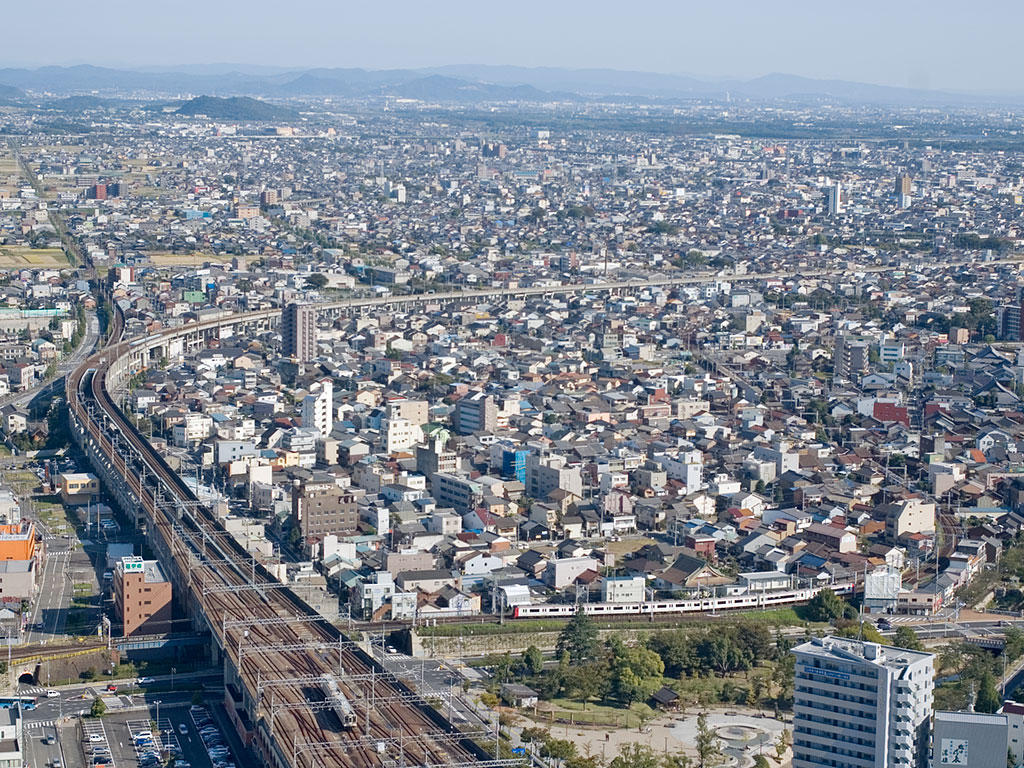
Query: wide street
[{"x": 49, "y": 614}]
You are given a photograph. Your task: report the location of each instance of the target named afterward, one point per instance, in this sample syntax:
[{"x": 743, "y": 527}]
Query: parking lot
[
  {"x": 132, "y": 740},
  {"x": 213, "y": 740},
  {"x": 153, "y": 746},
  {"x": 95, "y": 745}
]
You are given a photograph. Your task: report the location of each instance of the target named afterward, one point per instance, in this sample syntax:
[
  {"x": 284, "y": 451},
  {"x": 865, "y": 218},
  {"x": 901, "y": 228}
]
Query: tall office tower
[
  {"x": 860, "y": 705},
  {"x": 298, "y": 331},
  {"x": 834, "y": 199},
  {"x": 318, "y": 408}
]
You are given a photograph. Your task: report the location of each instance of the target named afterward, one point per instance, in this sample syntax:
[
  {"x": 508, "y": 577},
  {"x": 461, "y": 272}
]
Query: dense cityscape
[{"x": 519, "y": 429}]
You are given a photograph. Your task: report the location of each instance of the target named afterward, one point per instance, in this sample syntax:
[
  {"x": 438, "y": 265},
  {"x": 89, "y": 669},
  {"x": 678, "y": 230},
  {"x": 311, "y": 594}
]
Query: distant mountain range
[{"x": 456, "y": 83}]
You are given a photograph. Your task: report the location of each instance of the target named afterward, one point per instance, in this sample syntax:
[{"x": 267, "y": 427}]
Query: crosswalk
[
  {"x": 33, "y": 691},
  {"x": 40, "y": 724}
]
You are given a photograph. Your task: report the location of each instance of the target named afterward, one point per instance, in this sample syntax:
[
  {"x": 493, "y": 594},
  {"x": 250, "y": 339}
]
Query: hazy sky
[{"x": 935, "y": 44}]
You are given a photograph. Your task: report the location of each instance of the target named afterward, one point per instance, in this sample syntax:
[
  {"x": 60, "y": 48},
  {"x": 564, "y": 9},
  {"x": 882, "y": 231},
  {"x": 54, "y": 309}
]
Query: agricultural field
[
  {"x": 17, "y": 256},
  {"x": 8, "y": 165},
  {"x": 166, "y": 259}
]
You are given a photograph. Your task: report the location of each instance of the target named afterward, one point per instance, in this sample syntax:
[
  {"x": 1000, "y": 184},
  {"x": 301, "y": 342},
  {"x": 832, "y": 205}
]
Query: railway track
[
  {"x": 252, "y": 624},
  {"x": 223, "y": 580}
]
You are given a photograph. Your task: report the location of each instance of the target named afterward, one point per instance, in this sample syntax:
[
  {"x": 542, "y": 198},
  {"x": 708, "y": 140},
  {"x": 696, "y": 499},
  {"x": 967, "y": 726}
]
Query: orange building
[{"x": 18, "y": 542}]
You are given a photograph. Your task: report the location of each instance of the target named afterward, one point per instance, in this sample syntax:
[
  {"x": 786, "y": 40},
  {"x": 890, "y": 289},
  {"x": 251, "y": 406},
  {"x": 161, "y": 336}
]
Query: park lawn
[
  {"x": 593, "y": 713},
  {"x": 166, "y": 259},
  {"x": 776, "y": 617},
  {"x": 18, "y": 256}
]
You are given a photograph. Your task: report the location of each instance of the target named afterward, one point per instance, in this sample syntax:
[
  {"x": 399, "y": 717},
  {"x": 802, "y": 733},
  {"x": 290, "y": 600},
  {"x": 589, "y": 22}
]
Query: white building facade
[{"x": 860, "y": 705}]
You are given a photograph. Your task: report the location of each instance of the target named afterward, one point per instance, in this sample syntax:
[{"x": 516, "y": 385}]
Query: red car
[{"x": 111, "y": 688}]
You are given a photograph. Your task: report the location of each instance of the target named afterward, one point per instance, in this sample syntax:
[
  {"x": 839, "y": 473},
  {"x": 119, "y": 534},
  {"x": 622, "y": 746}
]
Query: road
[
  {"x": 50, "y": 611},
  {"x": 51, "y": 713},
  {"x": 65, "y": 366}
]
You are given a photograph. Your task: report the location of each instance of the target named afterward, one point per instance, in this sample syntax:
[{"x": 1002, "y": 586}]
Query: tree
[
  {"x": 635, "y": 756},
  {"x": 782, "y": 677},
  {"x": 502, "y": 667},
  {"x": 560, "y": 749},
  {"x": 907, "y": 638},
  {"x": 636, "y": 671},
  {"x": 721, "y": 654},
  {"x": 489, "y": 700},
  {"x": 782, "y": 743},
  {"x": 760, "y": 761},
  {"x": 1014, "y": 643},
  {"x": 317, "y": 280},
  {"x": 861, "y": 631},
  {"x": 988, "y": 700},
  {"x": 588, "y": 681},
  {"x": 533, "y": 660},
  {"x": 709, "y": 746},
  {"x": 98, "y": 708},
  {"x": 758, "y": 686},
  {"x": 197, "y": 698},
  {"x": 533, "y": 733},
  {"x": 579, "y": 638},
  {"x": 828, "y": 606}
]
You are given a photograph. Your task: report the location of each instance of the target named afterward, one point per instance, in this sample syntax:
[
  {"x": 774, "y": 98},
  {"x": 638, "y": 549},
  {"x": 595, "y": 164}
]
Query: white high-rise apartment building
[
  {"x": 860, "y": 705},
  {"x": 318, "y": 408}
]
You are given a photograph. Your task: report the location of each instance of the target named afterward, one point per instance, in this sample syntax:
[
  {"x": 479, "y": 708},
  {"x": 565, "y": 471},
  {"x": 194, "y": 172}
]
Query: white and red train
[{"x": 749, "y": 601}]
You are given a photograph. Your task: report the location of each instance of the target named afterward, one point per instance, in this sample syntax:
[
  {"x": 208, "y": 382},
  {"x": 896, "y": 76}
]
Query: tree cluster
[{"x": 708, "y": 747}]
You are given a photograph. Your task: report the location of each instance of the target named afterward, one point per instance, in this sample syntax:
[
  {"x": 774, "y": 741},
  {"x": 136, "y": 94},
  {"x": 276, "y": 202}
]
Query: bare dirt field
[{"x": 16, "y": 256}]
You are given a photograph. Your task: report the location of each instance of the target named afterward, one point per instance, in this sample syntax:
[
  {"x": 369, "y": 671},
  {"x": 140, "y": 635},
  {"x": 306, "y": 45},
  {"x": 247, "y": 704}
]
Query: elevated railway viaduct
[{"x": 273, "y": 647}]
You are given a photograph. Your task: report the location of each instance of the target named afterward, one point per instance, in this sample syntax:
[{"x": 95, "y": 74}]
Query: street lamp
[
  {"x": 173, "y": 670},
  {"x": 159, "y": 738}
]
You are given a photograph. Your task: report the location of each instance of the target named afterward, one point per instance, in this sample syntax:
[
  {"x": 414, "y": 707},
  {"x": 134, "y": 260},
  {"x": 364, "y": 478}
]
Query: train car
[
  {"x": 750, "y": 601},
  {"x": 341, "y": 706}
]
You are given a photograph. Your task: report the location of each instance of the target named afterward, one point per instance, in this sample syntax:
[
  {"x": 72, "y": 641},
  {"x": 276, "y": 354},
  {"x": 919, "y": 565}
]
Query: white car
[
  {"x": 53, "y": 694},
  {"x": 182, "y": 729}
]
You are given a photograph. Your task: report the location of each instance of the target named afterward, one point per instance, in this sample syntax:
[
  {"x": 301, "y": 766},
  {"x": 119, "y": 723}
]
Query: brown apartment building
[
  {"x": 320, "y": 506},
  {"x": 142, "y": 596}
]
